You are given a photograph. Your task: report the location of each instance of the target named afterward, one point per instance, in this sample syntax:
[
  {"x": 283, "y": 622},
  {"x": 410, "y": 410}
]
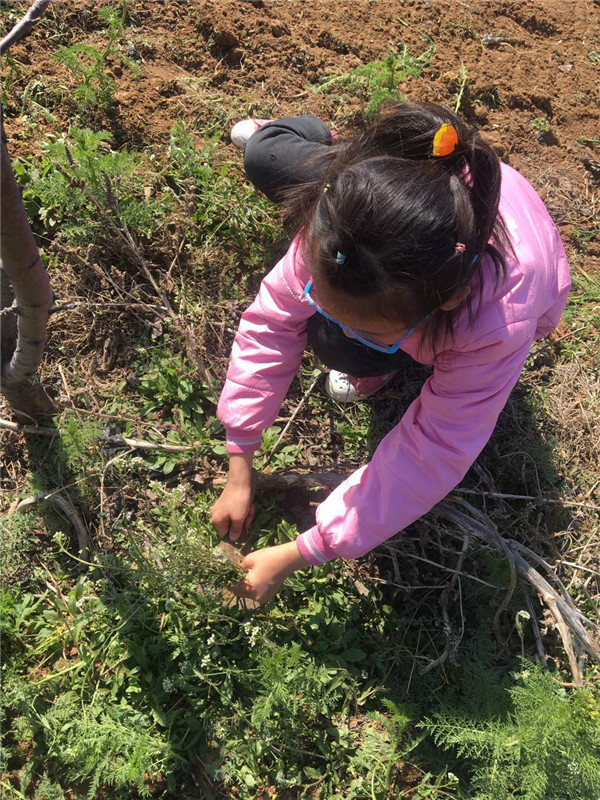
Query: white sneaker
[
  {"x": 243, "y": 130},
  {"x": 346, "y": 388}
]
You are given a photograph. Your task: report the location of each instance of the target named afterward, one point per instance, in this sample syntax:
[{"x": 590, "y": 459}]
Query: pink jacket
[{"x": 441, "y": 434}]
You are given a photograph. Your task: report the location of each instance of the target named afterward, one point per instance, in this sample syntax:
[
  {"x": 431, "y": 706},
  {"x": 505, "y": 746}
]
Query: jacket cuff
[
  {"x": 240, "y": 442},
  {"x": 313, "y": 548}
]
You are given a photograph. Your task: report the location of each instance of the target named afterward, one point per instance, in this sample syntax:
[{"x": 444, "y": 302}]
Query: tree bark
[{"x": 25, "y": 279}]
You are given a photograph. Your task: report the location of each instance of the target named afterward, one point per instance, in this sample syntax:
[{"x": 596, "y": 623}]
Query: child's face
[{"x": 350, "y": 311}]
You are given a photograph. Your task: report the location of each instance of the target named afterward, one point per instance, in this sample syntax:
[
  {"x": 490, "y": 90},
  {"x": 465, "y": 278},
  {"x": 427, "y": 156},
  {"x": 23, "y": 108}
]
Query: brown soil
[
  {"x": 209, "y": 59},
  {"x": 216, "y": 61}
]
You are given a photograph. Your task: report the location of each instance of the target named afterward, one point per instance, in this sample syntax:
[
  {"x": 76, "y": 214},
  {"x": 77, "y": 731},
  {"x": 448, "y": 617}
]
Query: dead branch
[
  {"x": 568, "y": 622},
  {"x": 451, "y": 646},
  {"x": 63, "y": 504},
  {"x": 140, "y": 444},
  {"x": 22, "y": 28},
  {"x": 537, "y": 499},
  {"x": 120, "y": 230},
  {"x": 536, "y": 632},
  {"x": 83, "y": 538},
  {"x": 302, "y": 401},
  {"x": 114, "y": 439},
  {"x": 14, "y": 426}
]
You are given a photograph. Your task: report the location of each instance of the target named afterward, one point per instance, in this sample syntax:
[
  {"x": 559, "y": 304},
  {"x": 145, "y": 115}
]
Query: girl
[{"x": 414, "y": 242}]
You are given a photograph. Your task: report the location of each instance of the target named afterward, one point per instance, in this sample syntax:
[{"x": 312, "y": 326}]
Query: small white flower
[
  {"x": 168, "y": 685},
  {"x": 364, "y": 674},
  {"x": 205, "y": 661},
  {"x": 211, "y": 640}
]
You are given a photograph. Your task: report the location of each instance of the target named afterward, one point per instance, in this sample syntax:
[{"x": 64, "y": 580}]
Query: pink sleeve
[
  {"x": 266, "y": 353},
  {"x": 427, "y": 454}
]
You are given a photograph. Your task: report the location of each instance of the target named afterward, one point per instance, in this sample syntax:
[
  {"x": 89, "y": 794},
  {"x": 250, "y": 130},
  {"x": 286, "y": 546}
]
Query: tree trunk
[{"x": 25, "y": 287}]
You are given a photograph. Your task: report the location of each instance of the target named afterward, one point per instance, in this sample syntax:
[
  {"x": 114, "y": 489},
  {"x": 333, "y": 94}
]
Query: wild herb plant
[
  {"x": 94, "y": 89},
  {"x": 88, "y": 65},
  {"x": 58, "y": 188},
  {"x": 378, "y": 82},
  {"x": 225, "y": 208},
  {"x": 546, "y": 748}
]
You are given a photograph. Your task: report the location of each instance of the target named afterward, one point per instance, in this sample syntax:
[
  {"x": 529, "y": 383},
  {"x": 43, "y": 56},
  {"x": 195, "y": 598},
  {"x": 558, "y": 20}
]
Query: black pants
[{"x": 273, "y": 160}]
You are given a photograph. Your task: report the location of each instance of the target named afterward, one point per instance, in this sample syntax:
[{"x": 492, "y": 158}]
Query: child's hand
[
  {"x": 267, "y": 570},
  {"x": 233, "y": 512}
]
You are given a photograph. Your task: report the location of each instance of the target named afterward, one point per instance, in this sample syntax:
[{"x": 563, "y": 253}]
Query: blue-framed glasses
[{"x": 360, "y": 336}]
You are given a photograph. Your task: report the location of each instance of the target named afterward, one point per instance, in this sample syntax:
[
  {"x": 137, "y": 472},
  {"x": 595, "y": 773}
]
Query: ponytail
[{"x": 397, "y": 206}]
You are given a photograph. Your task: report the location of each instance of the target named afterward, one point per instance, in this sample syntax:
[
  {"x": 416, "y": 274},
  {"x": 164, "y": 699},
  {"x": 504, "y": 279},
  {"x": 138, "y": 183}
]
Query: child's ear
[{"x": 456, "y": 299}]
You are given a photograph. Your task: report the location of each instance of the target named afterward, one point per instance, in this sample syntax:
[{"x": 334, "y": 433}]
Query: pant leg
[
  {"x": 281, "y": 153},
  {"x": 340, "y": 352}
]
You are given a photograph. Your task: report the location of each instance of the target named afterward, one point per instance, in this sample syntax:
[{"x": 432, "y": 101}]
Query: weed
[
  {"x": 222, "y": 209},
  {"x": 19, "y": 542},
  {"x": 377, "y": 82},
  {"x": 545, "y": 749},
  {"x": 590, "y": 141},
  {"x": 95, "y": 89},
  {"x": 540, "y": 124},
  {"x": 13, "y": 73},
  {"x": 85, "y": 158},
  {"x": 490, "y": 97},
  {"x": 87, "y": 65},
  {"x": 583, "y": 236},
  {"x": 459, "y": 84}
]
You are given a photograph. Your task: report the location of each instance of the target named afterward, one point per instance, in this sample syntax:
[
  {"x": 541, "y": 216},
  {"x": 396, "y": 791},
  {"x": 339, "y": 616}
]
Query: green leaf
[{"x": 353, "y": 654}]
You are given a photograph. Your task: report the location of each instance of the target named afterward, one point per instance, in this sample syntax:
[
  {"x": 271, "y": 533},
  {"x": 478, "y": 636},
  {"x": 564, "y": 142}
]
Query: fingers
[
  {"x": 236, "y": 528},
  {"x": 244, "y": 589},
  {"x": 248, "y": 561},
  {"x": 221, "y": 523},
  {"x": 241, "y": 525}
]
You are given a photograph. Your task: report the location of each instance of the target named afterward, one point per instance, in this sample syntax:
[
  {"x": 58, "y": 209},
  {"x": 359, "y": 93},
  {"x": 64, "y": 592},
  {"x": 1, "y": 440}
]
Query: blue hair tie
[{"x": 340, "y": 259}]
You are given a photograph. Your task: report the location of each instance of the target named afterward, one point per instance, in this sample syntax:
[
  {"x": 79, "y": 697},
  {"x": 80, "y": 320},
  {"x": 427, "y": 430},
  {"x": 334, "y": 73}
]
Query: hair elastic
[
  {"x": 340, "y": 259},
  {"x": 445, "y": 140},
  {"x": 326, "y": 188}
]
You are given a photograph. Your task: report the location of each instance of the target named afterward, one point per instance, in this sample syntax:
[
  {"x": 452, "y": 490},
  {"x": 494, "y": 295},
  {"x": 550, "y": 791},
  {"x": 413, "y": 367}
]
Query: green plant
[
  {"x": 17, "y": 533},
  {"x": 61, "y": 187},
  {"x": 378, "y": 81},
  {"x": 175, "y": 394},
  {"x": 490, "y": 97},
  {"x": 585, "y": 236},
  {"x": 94, "y": 89},
  {"x": 540, "y": 124},
  {"x": 546, "y": 748},
  {"x": 87, "y": 64},
  {"x": 223, "y": 209},
  {"x": 13, "y": 73}
]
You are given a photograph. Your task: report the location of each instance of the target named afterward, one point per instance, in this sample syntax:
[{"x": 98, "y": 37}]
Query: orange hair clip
[{"x": 445, "y": 140}]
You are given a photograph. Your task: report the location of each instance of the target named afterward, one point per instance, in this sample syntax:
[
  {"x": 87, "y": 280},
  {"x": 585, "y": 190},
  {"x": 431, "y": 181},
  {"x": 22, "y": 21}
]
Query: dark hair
[{"x": 397, "y": 212}]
